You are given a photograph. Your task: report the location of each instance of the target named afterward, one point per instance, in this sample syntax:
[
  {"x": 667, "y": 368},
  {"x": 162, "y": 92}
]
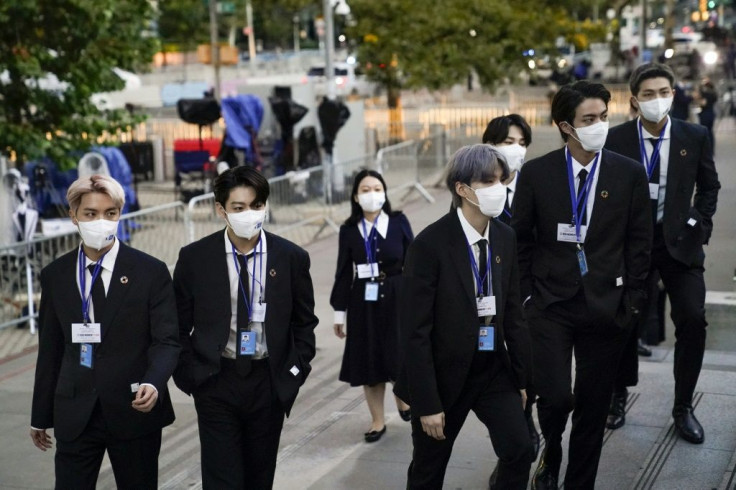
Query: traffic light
[{"x": 711, "y": 4}]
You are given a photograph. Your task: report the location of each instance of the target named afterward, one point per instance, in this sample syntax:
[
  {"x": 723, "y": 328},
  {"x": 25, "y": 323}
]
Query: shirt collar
[
  {"x": 577, "y": 166},
  {"x": 259, "y": 248},
  {"x": 108, "y": 261},
  {"x": 381, "y": 225},
  {"x": 645, "y": 134},
  {"x": 471, "y": 234},
  {"x": 512, "y": 185}
]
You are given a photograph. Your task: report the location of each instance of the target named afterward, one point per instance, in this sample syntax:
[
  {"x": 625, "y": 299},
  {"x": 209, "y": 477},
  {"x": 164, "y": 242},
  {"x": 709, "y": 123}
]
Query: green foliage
[
  {"x": 437, "y": 43},
  {"x": 79, "y": 42},
  {"x": 183, "y": 22}
]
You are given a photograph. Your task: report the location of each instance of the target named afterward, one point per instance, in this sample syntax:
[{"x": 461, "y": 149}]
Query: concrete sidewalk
[{"x": 322, "y": 444}]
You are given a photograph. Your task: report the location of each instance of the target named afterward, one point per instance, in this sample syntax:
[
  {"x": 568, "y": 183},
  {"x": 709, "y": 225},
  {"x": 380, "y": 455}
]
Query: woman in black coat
[{"x": 372, "y": 246}]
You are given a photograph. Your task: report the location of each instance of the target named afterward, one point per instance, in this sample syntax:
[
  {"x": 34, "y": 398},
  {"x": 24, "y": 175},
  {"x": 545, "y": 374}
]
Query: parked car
[{"x": 348, "y": 80}]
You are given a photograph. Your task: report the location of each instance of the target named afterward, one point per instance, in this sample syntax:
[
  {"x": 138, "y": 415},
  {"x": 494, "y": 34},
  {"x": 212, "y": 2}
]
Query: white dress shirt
[
  {"x": 511, "y": 189},
  {"x": 473, "y": 237},
  {"x": 576, "y": 168},
  {"x": 382, "y": 228},
  {"x": 108, "y": 265},
  {"x": 258, "y": 295},
  {"x": 664, "y": 158}
]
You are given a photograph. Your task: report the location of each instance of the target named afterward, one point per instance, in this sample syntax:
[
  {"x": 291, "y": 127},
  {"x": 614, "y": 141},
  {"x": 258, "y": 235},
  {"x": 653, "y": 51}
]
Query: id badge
[
  {"x": 566, "y": 233},
  {"x": 653, "y": 191},
  {"x": 366, "y": 271},
  {"x": 486, "y": 305},
  {"x": 85, "y": 355},
  {"x": 487, "y": 338},
  {"x": 371, "y": 291},
  {"x": 86, "y": 333},
  {"x": 582, "y": 262},
  {"x": 259, "y": 312},
  {"x": 246, "y": 343}
]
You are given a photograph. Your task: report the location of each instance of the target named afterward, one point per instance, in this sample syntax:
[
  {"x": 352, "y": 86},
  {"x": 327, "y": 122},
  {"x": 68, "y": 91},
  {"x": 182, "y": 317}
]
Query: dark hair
[
  {"x": 474, "y": 163},
  {"x": 569, "y": 97},
  {"x": 241, "y": 176},
  {"x": 498, "y": 129},
  {"x": 648, "y": 71},
  {"x": 356, "y": 212}
]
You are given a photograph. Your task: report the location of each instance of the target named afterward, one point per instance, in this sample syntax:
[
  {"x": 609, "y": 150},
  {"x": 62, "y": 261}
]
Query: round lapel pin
[
  {"x": 124, "y": 280},
  {"x": 604, "y": 194},
  {"x": 683, "y": 152},
  {"x": 272, "y": 273},
  {"x": 498, "y": 259}
]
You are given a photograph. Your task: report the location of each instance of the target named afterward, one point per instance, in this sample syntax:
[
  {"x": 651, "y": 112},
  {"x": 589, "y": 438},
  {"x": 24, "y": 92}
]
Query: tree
[
  {"x": 436, "y": 43},
  {"x": 76, "y": 43}
]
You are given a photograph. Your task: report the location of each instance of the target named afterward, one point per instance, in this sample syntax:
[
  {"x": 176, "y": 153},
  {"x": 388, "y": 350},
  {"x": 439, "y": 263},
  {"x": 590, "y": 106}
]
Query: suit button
[
  {"x": 381, "y": 284},
  {"x": 382, "y": 296},
  {"x": 577, "y": 282},
  {"x": 378, "y": 250}
]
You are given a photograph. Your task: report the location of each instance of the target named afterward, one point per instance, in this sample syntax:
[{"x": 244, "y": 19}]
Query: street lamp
[{"x": 341, "y": 8}]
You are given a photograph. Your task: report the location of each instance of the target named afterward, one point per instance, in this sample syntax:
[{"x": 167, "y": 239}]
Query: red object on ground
[{"x": 211, "y": 145}]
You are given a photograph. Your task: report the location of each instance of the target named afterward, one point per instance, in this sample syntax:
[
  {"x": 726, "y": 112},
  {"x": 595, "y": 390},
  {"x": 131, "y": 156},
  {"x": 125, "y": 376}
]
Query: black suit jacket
[
  {"x": 202, "y": 292},
  {"x": 139, "y": 345},
  {"x": 441, "y": 327},
  {"x": 690, "y": 168},
  {"x": 617, "y": 246}
]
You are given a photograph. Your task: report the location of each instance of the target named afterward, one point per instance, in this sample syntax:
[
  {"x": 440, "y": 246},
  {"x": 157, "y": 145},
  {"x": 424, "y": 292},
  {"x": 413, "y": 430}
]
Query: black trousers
[
  {"x": 134, "y": 461},
  {"x": 685, "y": 286},
  {"x": 240, "y": 421},
  {"x": 497, "y": 405},
  {"x": 557, "y": 332}
]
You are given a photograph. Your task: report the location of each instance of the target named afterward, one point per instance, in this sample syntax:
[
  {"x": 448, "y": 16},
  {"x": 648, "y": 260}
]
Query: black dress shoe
[
  {"x": 405, "y": 415},
  {"x": 546, "y": 475},
  {"x": 374, "y": 435},
  {"x": 617, "y": 410},
  {"x": 533, "y": 434},
  {"x": 687, "y": 425},
  {"x": 643, "y": 350}
]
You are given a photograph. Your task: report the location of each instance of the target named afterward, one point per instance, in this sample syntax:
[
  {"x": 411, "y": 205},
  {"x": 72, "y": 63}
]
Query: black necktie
[
  {"x": 508, "y": 200},
  {"x": 242, "y": 362},
  {"x": 582, "y": 210},
  {"x": 654, "y": 179},
  {"x": 98, "y": 294},
  {"x": 482, "y": 263}
]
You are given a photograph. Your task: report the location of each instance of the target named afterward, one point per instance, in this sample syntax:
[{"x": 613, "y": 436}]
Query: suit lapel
[
  {"x": 631, "y": 147},
  {"x": 458, "y": 250},
  {"x": 497, "y": 252},
  {"x": 68, "y": 291},
  {"x": 274, "y": 275},
  {"x": 220, "y": 283},
  {"x": 605, "y": 179},
  {"x": 678, "y": 153},
  {"x": 122, "y": 280}
]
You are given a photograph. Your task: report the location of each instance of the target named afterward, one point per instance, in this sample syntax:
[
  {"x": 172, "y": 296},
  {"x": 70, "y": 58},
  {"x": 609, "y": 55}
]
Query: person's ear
[
  {"x": 73, "y": 217},
  {"x": 220, "y": 210},
  {"x": 634, "y": 102}
]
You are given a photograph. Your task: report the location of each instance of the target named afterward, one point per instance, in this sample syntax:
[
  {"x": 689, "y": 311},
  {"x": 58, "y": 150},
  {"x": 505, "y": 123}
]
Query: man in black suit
[
  {"x": 108, "y": 344},
  {"x": 678, "y": 157},
  {"x": 583, "y": 225},
  {"x": 467, "y": 345},
  {"x": 246, "y": 324}
]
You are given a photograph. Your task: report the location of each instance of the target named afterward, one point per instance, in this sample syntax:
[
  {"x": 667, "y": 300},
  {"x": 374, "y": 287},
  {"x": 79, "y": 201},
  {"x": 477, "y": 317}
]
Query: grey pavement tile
[{"x": 692, "y": 468}]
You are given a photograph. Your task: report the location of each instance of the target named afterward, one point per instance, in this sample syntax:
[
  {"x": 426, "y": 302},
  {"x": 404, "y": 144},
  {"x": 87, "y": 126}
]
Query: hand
[
  {"x": 434, "y": 425},
  {"x": 523, "y": 399},
  {"x": 41, "y": 439},
  {"x": 340, "y": 330},
  {"x": 145, "y": 398}
]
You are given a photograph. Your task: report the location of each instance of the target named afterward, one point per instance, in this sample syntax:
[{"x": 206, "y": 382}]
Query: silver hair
[{"x": 474, "y": 163}]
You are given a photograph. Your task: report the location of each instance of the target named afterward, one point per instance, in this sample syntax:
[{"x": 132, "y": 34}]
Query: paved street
[{"x": 322, "y": 444}]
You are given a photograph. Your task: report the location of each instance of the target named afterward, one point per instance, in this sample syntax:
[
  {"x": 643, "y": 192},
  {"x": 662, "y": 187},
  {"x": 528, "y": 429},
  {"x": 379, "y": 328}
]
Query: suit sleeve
[
  {"x": 706, "y": 187},
  {"x": 516, "y": 333},
  {"x": 638, "y": 245},
  {"x": 50, "y": 354},
  {"x": 407, "y": 234},
  {"x": 340, "y": 296},
  {"x": 522, "y": 222},
  {"x": 163, "y": 354},
  {"x": 185, "y": 314},
  {"x": 303, "y": 320},
  {"x": 421, "y": 271}
]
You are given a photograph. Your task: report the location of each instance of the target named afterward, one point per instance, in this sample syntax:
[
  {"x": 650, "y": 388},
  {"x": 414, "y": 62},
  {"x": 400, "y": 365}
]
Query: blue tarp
[{"x": 243, "y": 116}]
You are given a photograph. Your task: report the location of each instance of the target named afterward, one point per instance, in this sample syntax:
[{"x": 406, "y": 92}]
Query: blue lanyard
[
  {"x": 651, "y": 164},
  {"x": 258, "y": 256},
  {"x": 83, "y": 281},
  {"x": 481, "y": 282},
  {"x": 369, "y": 242},
  {"x": 583, "y": 194}
]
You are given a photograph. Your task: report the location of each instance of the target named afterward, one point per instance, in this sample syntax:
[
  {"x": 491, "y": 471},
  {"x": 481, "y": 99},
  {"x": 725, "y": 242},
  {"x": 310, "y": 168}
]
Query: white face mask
[
  {"x": 491, "y": 199},
  {"x": 97, "y": 234},
  {"x": 514, "y": 155},
  {"x": 371, "y": 202},
  {"x": 592, "y": 137},
  {"x": 246, "y": 224},
  {"x": 656, "y": 109}
]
